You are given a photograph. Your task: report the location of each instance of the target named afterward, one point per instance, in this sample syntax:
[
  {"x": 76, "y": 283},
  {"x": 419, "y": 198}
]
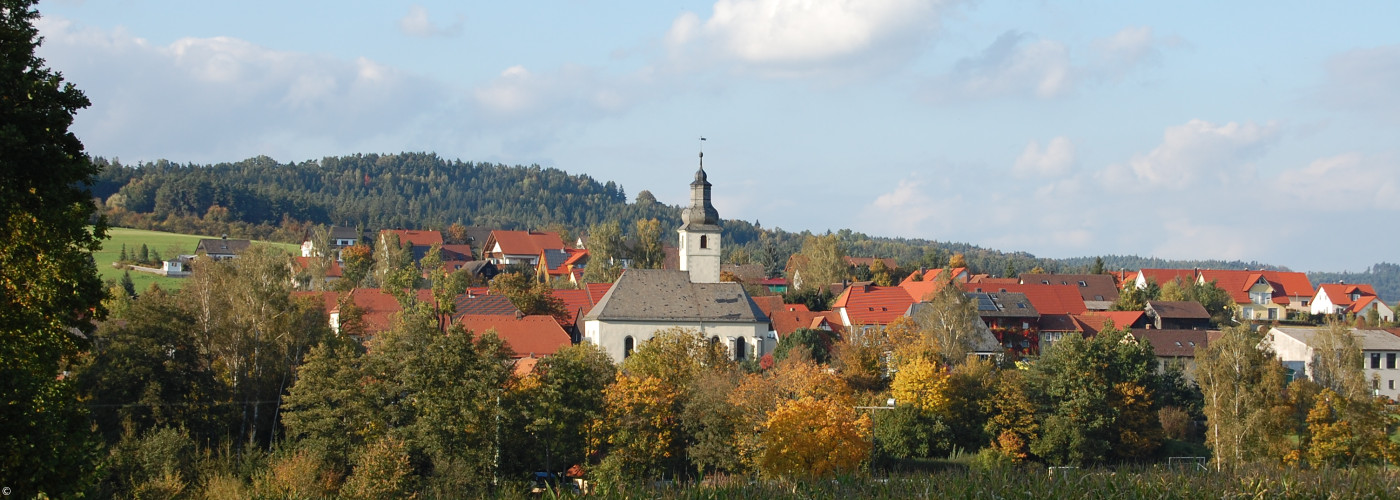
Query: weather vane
[{"x": 702, "y": 152}]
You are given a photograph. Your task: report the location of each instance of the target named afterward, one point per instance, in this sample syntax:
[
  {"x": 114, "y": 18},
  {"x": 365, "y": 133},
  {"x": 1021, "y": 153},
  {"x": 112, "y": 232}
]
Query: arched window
[
  {"x": 739, "y": 347},
  {"x": 627, "y": 346},
  {"x": 714, "y": 340},
  {"x": 704, "y": 241}
]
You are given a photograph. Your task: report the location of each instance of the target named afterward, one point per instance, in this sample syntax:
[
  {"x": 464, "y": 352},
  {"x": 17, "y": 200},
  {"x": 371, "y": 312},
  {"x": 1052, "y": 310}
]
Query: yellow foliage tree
[
  {"x": 1139, "y": 431},
  {"x": 813, "y": 437},
  {"x": 639, "y": 423},
  {"x": 791, "y": 379},
  {"x": 921, "y": 383}
]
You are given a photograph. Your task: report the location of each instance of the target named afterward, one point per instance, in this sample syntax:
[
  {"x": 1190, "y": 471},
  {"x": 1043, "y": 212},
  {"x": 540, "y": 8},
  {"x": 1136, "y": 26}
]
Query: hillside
[{"x": 261, "y": 198}]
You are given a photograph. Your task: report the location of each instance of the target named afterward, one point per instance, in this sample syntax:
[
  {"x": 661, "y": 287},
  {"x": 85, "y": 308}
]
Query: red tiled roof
[
  {"x": 1162, "y": 276},
  {"x": 524, "y": 242},
  {"x": 1094, "y": 321},
  {"x": 334, "y": 271},
  {"x": 378, "y": 305},
  {"x": 1047, "y": 299},
  {"x": 794, "y": 316},
  {"x": 1361, "y": 303},
  {"x": 873, "y": 305},
  {"x": 533, "y": 336},
  {"x": 769, "y": 303},
  {"x": 959, "y": 275},
  {"x": 579, "y": 301},
  {"x": 986, "y": 279},
  {"x": 413, "y": 237},
  {"x": 1059, "y": 323},
  {"x": 1284, "y": 283},
  {"x": 457, "y": 252},
  {"x": 1340, "y": 293}
]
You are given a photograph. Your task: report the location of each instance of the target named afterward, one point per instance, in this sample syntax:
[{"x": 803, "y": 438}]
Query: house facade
[
  {"x": 1380, "y": 355},
  {"x": 1356, "y": 299}
]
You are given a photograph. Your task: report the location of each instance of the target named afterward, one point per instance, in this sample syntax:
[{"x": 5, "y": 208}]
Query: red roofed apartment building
[{"x": 1355, "y": 299}]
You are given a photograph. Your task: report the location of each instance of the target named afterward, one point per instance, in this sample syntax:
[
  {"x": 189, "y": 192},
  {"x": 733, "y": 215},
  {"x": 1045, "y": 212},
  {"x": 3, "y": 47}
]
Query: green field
[{"x": 167, "y": 244}]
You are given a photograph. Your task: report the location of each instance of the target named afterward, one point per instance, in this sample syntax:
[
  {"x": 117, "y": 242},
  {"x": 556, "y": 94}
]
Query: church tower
[{"x": 700, "y": 232}]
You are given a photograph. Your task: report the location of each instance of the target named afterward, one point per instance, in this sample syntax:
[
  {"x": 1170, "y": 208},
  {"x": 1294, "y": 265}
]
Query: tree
[
  {"x": 818, "y": 344},
  {"x": 922, "y": 384},
  {"x": 147, "y": 373},
  {"x": 948, "y": 325},
  {"x": 566, "y": 398},
  {"x": 648, "y": 253},
  {"x": 1215, "y": 300},
  {"x": 957, "y": 260},
  {"x": 358, "y": 260},
  {"x": 1091, "y": 394},
  {"x": 821, "y": 262},
  {"x": 605, "y": 250},
  {"x": 880, "y": 273},
  {"x": 528, "y": 295},
  {"x": 49, "y": 284},
  {"x": 810, "y": 437},
  {"x": 1012, "y": 416},
  {"x": 1234, "y": 374},
  {"x": 1098, "y": 266},
  {"x": 1337, "y": 362},
  {"x": 1133, "y": 298}
]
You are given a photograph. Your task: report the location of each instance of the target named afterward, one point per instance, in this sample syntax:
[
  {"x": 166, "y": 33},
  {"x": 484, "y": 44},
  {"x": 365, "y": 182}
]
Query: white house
[
  {"x": 1358, "y": 299},
  {"x": 643, "y": 301},
  {"x": 1379, "y": 352}
]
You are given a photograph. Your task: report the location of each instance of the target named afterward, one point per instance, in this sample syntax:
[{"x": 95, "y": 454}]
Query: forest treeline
[{"x": 262, "y": 198}]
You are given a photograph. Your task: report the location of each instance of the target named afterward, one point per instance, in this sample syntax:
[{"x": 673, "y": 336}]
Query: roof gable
[{"x": 523, "y": 242}]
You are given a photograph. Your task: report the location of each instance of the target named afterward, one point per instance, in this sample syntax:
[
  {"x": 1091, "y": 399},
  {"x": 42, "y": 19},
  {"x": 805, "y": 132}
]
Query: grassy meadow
[{"x": 167, "y": 244}]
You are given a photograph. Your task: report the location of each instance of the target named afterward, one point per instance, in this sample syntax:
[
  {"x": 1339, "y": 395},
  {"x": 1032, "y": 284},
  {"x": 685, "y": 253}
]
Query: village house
[
  {"x": 1296, "y": 348},
  {"x": 1355, "y": 299},
  {"x": 1099, "y": 291},
  {"x": 221, "y": 248},
  {"x": 339, "y": 237},
  {"x": 1171, "y": 315},
  {"x": 505, "y": 248}
]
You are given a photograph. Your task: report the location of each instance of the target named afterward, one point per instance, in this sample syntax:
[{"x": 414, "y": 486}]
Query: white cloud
[
  {"x": 1013, "y": 65},
  {"x": 1054, "y": 160},
  {"x": 1349, "y": 182},
  {"x": 1020, "y": 65},
  {"x": 1130, "y": 48},
  {"x": 802, "y": 37},
  {"x": 221, "y": 98},
  {"x": 1193, "y": 151},
  {"x": 417, "y": 23},
  {"x": 1364, "y": 81},
  {"x": 912, "y": 208}
]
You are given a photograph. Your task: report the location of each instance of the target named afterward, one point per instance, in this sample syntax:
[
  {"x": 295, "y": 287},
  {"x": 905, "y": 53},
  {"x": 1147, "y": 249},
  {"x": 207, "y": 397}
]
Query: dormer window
[
  {"x": 1355, "y": 295},
  {"x": 1083, "y": 284},
  {"x": 1045, "y": 282}
]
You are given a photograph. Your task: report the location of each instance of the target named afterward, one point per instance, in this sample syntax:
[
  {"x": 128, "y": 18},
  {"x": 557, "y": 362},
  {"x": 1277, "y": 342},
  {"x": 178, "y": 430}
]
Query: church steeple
[
  {"x": 700, "y": 231},
  {"x": 700, "y": 212}
]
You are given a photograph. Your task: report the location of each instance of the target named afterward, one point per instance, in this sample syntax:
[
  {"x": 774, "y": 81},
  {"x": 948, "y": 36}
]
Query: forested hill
[
  {"x": 409, "y": 190},
  {"x": 262, "y": 198}
]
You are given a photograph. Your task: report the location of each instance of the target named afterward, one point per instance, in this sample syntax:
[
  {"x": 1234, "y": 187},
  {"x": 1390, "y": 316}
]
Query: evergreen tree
[
  {"x": 128, "y": 287},
  {"x": 144, "y": 255},
  {"x": 123, "y": 258},
  {"x": 49, "y": 285}
]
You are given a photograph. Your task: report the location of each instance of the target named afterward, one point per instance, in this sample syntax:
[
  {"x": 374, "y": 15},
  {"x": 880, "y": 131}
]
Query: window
[
  {"x": 1045, "y": 282},
  {"x": 739, "y": 347},
  {"x": 1273, "y": 313},
  {"x": 1390, "y": 360},
  {"x": 627, "y": 347},
  {"x": 1083, "y": 284},
  {"x": 1375, "y": 360},
  {"x": 704, "y": 241}
]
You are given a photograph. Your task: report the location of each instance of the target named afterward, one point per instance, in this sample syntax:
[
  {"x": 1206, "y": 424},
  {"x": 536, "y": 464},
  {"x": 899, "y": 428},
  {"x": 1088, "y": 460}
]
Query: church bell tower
[{"x": 700, "y": 232}]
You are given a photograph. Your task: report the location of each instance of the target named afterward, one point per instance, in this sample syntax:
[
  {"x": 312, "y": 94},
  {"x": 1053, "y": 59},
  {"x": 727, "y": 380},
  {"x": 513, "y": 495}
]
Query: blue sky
[{"x": 1237, "y": 130}]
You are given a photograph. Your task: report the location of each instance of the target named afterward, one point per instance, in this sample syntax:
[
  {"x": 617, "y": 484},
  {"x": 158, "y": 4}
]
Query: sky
[{"x": 1248, "y": 130}]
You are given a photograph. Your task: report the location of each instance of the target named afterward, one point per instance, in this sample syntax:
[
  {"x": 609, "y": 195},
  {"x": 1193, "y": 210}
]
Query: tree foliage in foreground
[{"x": 49, "y": 287}]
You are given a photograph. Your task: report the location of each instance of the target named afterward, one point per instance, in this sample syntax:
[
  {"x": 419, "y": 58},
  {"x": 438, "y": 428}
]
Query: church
[{"x": 643, "y": 301}]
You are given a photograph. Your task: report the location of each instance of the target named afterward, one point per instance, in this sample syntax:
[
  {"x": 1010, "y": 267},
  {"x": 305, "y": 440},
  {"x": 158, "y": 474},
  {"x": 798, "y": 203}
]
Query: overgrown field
[
  {"x": 167, "y": 244},
  {"x": 1037, "y": 483}
]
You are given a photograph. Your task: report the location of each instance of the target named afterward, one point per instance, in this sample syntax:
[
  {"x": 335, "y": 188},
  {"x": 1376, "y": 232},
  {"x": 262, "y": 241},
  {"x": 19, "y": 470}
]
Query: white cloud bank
[
  {"x": 804, "y": 37},
  {"x": 418, "y": 23},
  {"x": 221, "y": 98},
  {"x": 1055, "y": 159}
]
